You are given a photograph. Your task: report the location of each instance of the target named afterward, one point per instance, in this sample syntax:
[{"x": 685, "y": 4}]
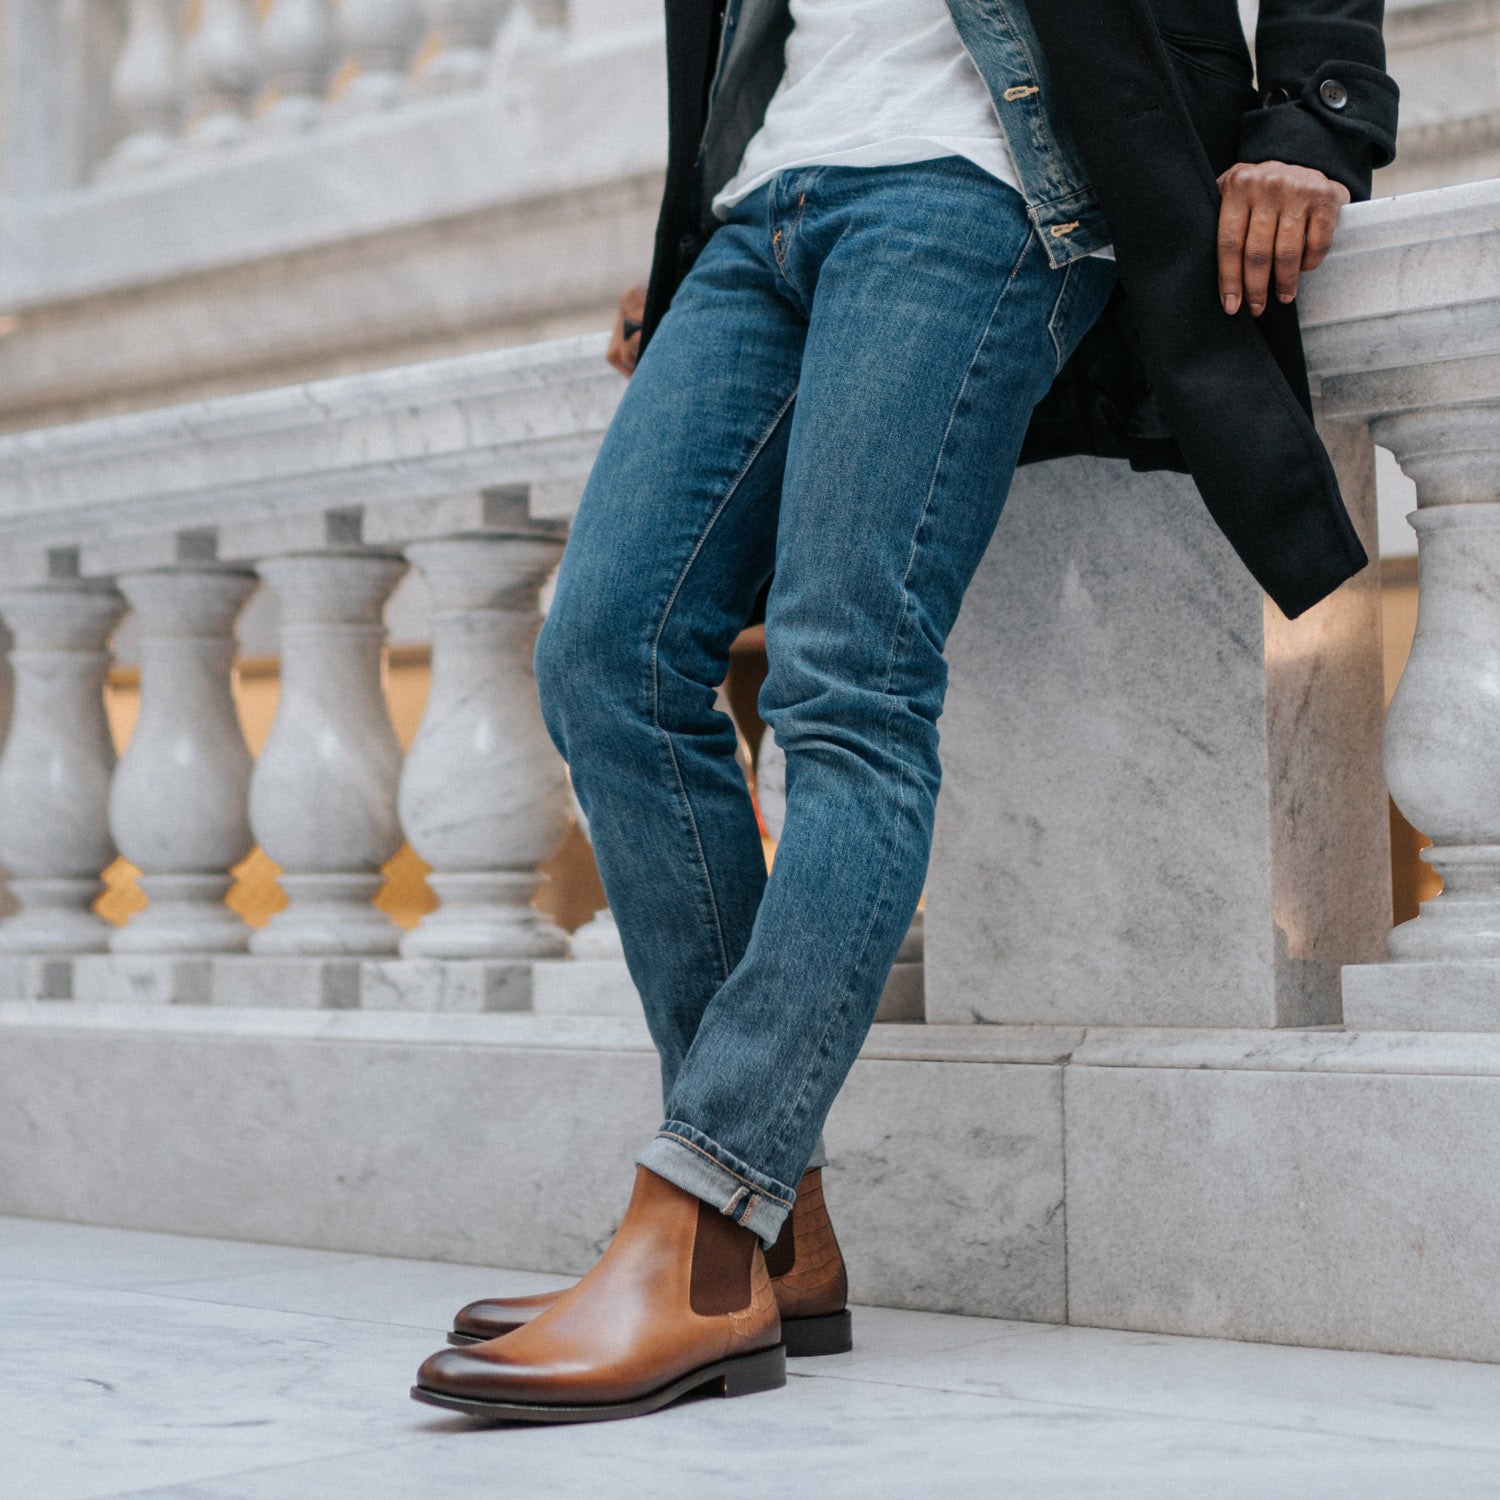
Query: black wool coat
[{"x": 1162, "y": 98}]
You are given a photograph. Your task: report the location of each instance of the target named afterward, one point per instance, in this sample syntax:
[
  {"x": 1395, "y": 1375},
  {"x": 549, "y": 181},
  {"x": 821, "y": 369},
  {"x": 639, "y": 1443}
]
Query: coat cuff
[{"x": 1342, "y": 122}]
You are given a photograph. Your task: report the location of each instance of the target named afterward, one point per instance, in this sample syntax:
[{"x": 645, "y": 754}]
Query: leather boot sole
[
  {"x": 832, "y": 1333},
  {"x": 743, "y": 1376}
]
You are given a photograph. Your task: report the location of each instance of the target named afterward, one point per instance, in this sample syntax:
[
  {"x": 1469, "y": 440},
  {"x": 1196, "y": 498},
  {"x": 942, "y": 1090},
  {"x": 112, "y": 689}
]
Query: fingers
[
  {"x": 1234, "y": 220},
  {"x": 1291, "y": 237},
  {"x": 1275, "y": 222},
  {"x": 1321, "y": 223},
  {"x": 1260, "y": 247}
]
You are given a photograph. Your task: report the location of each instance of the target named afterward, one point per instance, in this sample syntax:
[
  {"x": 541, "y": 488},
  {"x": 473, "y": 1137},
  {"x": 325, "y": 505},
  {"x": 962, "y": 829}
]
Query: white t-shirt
[{"x": 872, "y": 83}]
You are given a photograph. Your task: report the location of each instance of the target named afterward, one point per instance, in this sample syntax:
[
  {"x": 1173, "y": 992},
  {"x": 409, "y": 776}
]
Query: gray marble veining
[{"x": 1162, "y": 803}]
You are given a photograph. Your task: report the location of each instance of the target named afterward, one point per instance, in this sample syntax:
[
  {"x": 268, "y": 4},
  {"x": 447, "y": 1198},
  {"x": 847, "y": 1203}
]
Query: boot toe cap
[
  {"x": 486, "y": 1320},
  {"x": 456, "y": 1372}
]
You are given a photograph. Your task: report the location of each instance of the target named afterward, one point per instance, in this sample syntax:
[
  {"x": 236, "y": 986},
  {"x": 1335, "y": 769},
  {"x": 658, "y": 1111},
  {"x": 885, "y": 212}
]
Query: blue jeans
[{"x": 837, "y": 394}]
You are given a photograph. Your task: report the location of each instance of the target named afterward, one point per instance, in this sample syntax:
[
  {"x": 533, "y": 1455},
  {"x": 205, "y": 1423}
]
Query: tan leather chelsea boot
[
  {"x": 807, "y": 1276},
  {"x": 681, "y": 1300}
]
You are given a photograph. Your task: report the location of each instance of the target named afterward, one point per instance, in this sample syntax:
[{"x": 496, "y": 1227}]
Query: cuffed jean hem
[{"x": 690, "y": 1160}]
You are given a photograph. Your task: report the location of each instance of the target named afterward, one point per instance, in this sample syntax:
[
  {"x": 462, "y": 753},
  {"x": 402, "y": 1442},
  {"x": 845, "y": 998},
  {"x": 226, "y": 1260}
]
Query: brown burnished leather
[
  {"x": 629, "y": 1327},
  {"x": 488, "y": 1319},
  {"x": 807, "y": 1250},
  {"x": 814, "y": 1282}
]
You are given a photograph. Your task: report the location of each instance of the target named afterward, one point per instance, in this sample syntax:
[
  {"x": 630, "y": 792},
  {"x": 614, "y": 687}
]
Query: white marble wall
[
  {"x": 1352, "y": 1210},
  {"x": 1162, "y": 802}
]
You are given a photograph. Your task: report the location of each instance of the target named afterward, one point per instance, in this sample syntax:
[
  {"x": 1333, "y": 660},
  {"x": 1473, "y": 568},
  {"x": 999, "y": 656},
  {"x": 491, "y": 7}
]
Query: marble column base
[
  {"x": 57, "y": 916},
  {"x": 1448, "y": 996},
  {"x": 485, "y": 914},
  {"x": 456, "y": 985},
  {"x": 286, "y": 983},
  {"x": 143, "y": 978},
  {"x": 184, "y": 914},
  {"x": 327, "y": 914}
]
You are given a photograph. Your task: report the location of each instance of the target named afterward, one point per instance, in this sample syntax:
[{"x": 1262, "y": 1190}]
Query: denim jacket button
[{"x": 1333, "y": 93}]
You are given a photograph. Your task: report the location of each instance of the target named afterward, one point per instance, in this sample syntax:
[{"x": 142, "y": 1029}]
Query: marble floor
[{"x": 187, "y": 1369}]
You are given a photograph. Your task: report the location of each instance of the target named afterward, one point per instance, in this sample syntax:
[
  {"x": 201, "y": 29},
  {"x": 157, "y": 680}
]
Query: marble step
[{"x": 1308, "y": 1187}]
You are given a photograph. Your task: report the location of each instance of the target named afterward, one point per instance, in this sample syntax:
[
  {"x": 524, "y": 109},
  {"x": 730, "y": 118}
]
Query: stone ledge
[
  {"x": 1323, "y": 1050},
  {"x": 252, "y": 1126},
  {"x": 1321, "y": 1188}
]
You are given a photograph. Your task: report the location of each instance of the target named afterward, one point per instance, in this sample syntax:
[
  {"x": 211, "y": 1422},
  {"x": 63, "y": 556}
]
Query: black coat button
[{"x": 1333, "y": 93}]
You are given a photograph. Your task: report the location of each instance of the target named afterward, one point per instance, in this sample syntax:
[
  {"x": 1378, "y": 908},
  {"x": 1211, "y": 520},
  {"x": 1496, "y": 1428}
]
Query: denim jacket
[{"x": 998, "y": 36}]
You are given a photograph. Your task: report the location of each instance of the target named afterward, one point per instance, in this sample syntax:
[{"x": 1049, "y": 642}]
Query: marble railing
[
  {"x": 465, "y": 470},
  {"x": 468, "y": 470}
]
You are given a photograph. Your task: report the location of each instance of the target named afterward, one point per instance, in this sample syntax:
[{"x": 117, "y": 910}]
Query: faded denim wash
[{"x": 837, "y": 394}]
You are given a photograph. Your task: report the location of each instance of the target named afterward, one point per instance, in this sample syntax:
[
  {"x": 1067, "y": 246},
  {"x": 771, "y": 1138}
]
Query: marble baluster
[
  {"x": 380, "y": 37},
  {"x": 55, "y": 767},
  {"x": 148, "y": 85},
  {"x": 1442, "y": 733},
  {"x": 466, "y": 32},
  {"x": 323, "y": 793},
  {"x": 177, "y": 805},
  {"x": 1442, "y": 739},
  {"x": 484, "y": 796},
  {"x": 224, "y": 71},
  {"x": 299, "y": 42}
]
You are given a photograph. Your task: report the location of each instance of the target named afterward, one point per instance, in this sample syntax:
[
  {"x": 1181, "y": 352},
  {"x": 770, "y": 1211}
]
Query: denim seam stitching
[
  {"x": 729, "y": 494},
  {"x": 896, "y": 638},
  {"x": 671, "y": 1135}
]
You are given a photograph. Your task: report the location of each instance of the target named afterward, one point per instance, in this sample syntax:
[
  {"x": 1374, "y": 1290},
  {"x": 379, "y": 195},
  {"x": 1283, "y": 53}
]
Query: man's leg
[
  {"x": 673, "y": 539},
  {"x": 935, "y": 326}
]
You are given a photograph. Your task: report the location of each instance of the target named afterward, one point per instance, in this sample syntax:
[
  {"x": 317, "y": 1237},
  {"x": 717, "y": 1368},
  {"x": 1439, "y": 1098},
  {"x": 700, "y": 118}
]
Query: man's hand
[
  {"x": 623, "y": 352},
  {"x": 1275, "y": 221}
]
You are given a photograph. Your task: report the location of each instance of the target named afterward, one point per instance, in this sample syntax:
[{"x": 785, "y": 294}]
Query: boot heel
[
  {"x": 831, "y": 1334},
  {"x": 765, "y": 1371}
]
